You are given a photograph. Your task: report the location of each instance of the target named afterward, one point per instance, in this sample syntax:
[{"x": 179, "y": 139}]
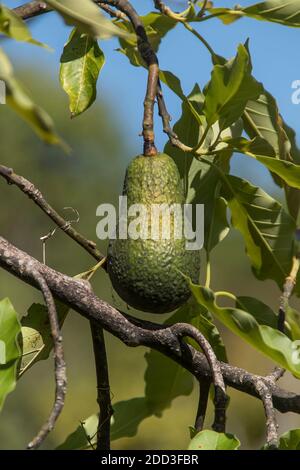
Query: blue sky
[{"x": 275, "y": 56}]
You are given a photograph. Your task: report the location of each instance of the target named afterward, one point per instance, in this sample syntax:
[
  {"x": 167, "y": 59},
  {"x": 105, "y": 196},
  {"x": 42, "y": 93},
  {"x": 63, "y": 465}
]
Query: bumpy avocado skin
[{"x": 147, "y": 273}]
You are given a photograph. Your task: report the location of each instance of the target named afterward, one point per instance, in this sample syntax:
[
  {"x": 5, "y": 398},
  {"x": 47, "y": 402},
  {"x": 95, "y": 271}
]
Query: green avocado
[{"x": 146, "y": 271}]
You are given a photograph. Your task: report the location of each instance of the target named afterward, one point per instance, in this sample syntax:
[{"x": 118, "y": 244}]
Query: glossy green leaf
[
  {"x": 14, "y": 27},
  {"x": 18, "y": 99},
  {"x": 285, "y": 12},
  {"x": 211, "y": 440},
  {"x": 36, "y": 334},
  {"x": 230, "y": 88},
  {"x": 290, "y": 440},
  {"x": 269, "y": 341},
  {"x": 9, "y": 348},
  {"x": 87, "y": 17},
  {"x": 81, "y": 63},
  {"x": 268, "y": 230}
]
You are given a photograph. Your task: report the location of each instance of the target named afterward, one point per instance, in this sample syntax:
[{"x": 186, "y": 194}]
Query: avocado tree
[{"x": 234, "y": 113}]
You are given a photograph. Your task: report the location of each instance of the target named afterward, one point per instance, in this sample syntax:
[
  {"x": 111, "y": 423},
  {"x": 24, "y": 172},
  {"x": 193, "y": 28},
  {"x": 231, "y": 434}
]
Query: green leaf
[
  {"x": 230, "y": 88},
  {"x": 9, "y": 349},
  {"x": 156, "y": 26},
  {"x": 262, "y": 313},
  {"x": 293, "y": 320},
  {"x": 290, "y": 440},
  {"x": 285, "y": 12},
  {"x": 261, "y": 150},
  {"x": 14, "y": 27},
  {"x": 87, "y": 17},
  {"x": 81, "y": 63},
  {"x": 173, "y": 380},
  {"x": 211, "y": 440},
  {"x": 174, "y": 84},
  {"x": 128, "y": 414},
  {"x": 36, "y": 334},
  {"x": 262, "y": 119},
  {"x": 227, "y": 15},
  {"x": 269, "y": 341},
  {"x": 268, "y": 231},
  {"x": 218, "y": 227},
  {"x": 18, "y": 99},
  {"x": 84, "y": 437}
]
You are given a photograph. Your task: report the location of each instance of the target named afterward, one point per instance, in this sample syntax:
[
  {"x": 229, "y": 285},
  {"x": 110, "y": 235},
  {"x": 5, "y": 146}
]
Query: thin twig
[
  {"x": 220, "y": 399},
  {"x": 103, "y": 388},
  {"x": 113, "y": 13},
  {"x": 60, "y": 366},
  {"x": 202, "y": 404},
  {"x": 203, "y": 8},
  {"x": 35, "y": 195},
  {"x": 287, "y": 292},
  {"x": 271, "y": 423}
]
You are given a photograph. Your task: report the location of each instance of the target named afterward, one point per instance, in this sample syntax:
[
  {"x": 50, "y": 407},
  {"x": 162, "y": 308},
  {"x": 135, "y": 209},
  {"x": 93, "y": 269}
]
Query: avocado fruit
[{"x": 148, "y": 273}]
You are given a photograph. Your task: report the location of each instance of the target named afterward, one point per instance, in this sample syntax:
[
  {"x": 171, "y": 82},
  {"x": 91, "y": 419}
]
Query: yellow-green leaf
[{"x": 81, "y": 63}]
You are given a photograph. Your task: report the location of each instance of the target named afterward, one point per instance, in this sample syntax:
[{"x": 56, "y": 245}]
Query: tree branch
[
  {"x": 151, "y": 61},
  {"x": 271, "y": 424},
  {"x": 32, "y": 9},
  {"x": 60, "y": 366},
  {"x": 103, "y": 388},
  {"x": 131, "y": 331},
  {"x": 35, "y": 195}
]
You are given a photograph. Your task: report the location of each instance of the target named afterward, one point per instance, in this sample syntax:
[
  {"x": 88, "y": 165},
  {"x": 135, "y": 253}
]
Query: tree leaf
[
  {"x": 285, "y": 12},
  {"x": 269, "y": 341},
  {"x": 84, "y": 436},
  {"x": 262, "y": 313},
  {"x": 81, "y": 63},
  {"x": 9, "y": 348},
  {"x": 36, "y": 334},
  {"x": 128, "y": 414},
  {"x": 268, "y": 231},
  {"x": 14, "y": 27},
  {"x": 18, "y": 99},
  {"x": 173, "y": 379},
  {"x": 87, "y": 16},
  {"x": 230, "y": 88},
  {"x": 261, "y": 150},
  {"x": 211, "y": 440},
  {"x": 293, "y": 320},
  {"x": 290, "y": 440}
]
